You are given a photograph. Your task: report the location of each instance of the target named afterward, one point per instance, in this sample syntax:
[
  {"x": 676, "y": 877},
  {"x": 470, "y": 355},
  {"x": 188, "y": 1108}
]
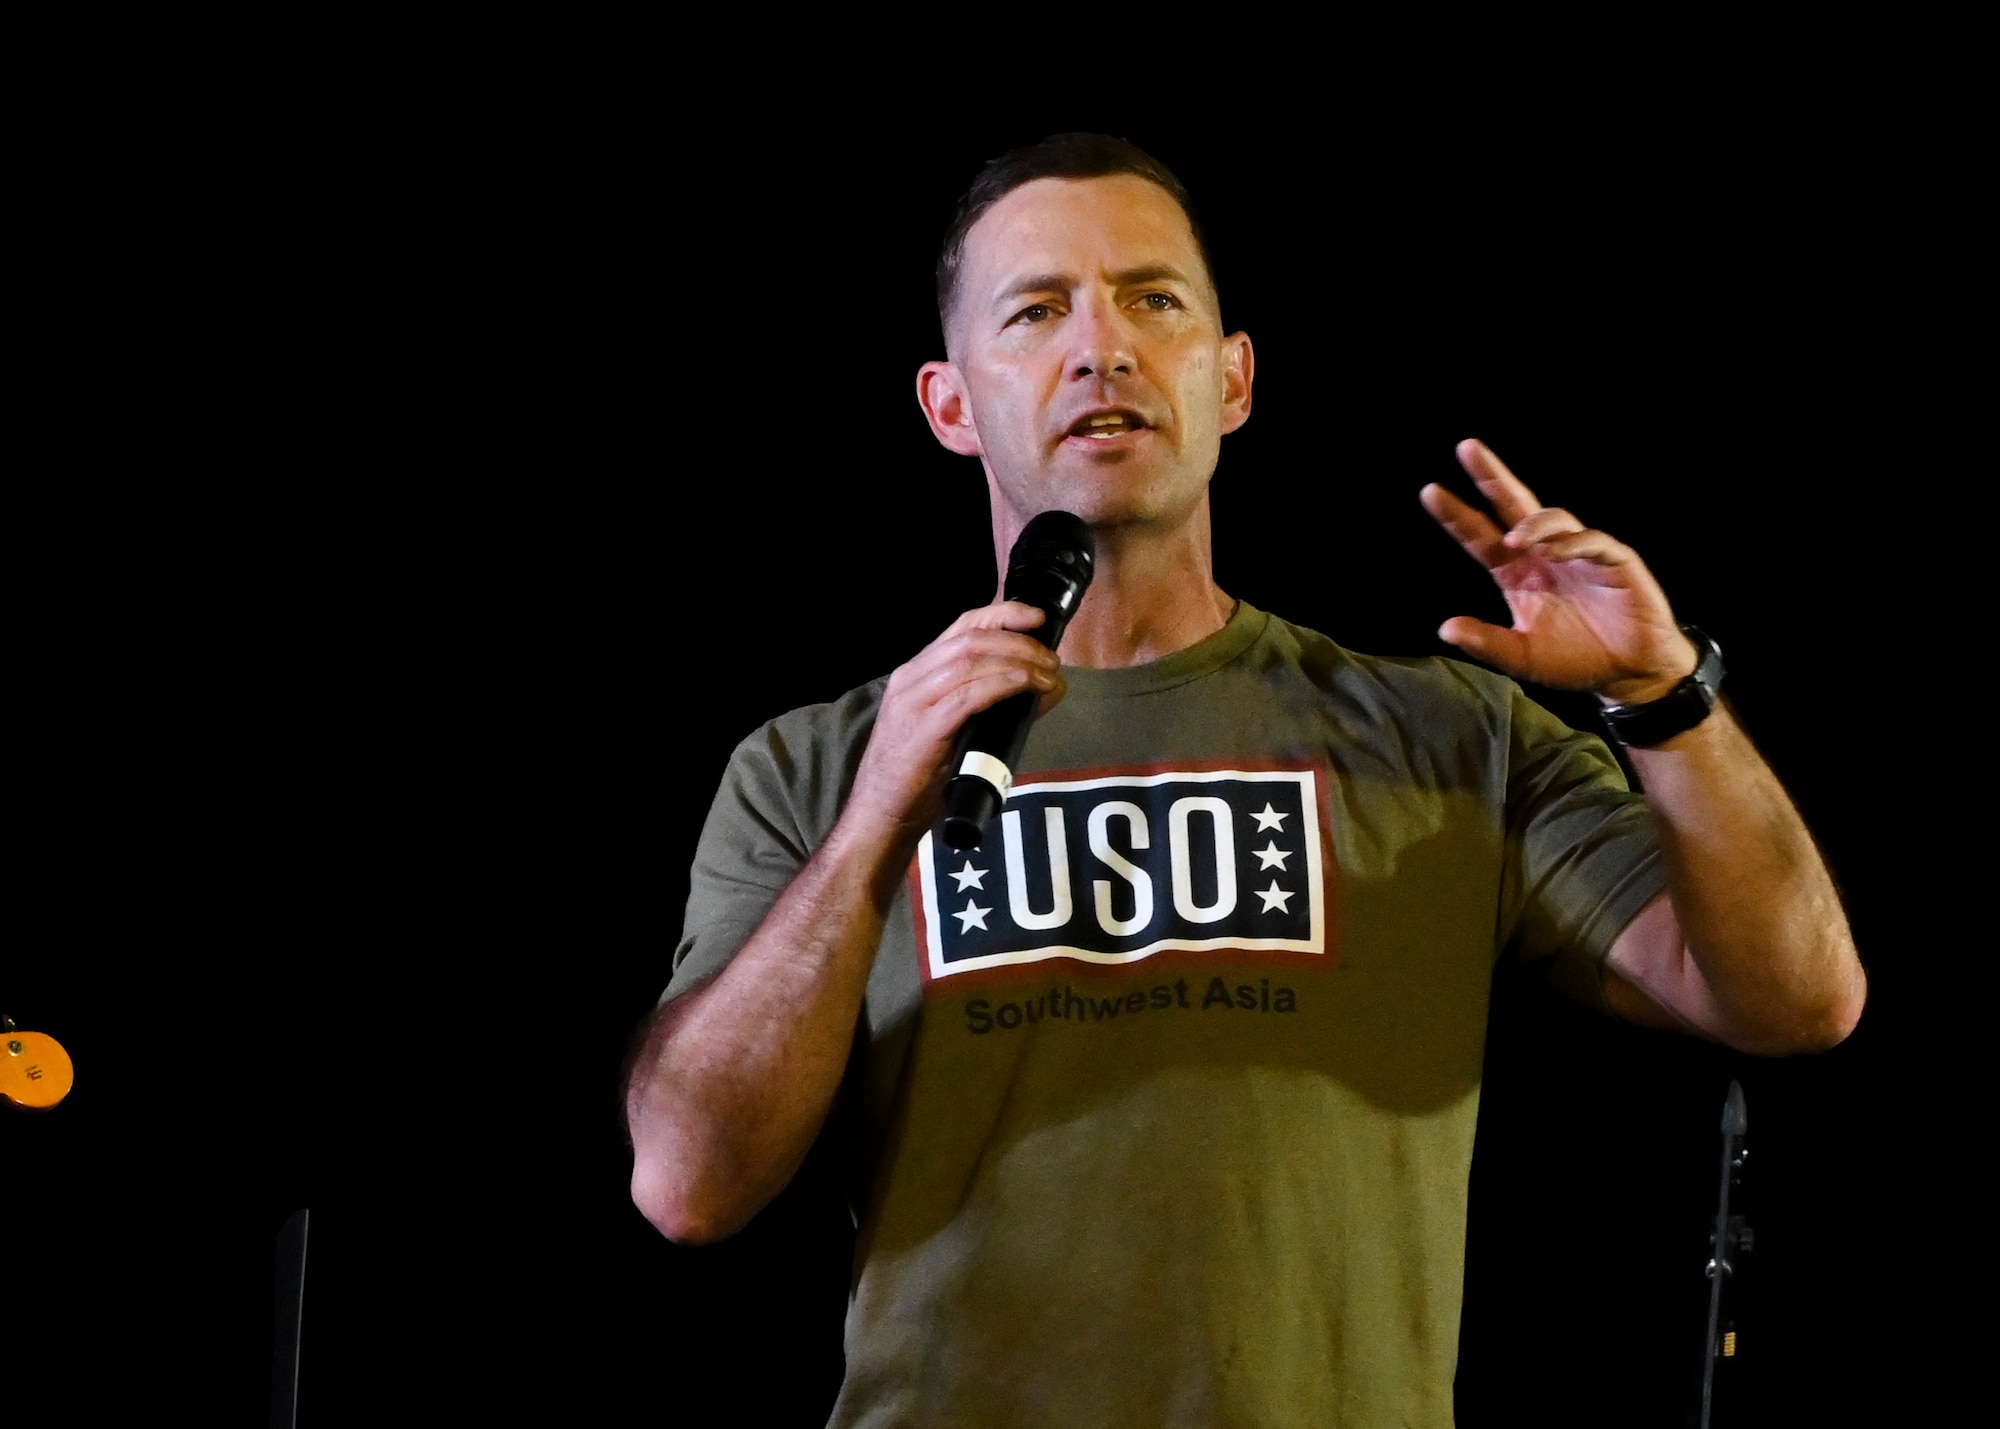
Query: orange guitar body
[{"x": 35, "y": 1072}]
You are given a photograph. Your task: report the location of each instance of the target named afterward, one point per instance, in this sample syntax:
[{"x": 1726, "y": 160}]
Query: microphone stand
[{"x": 1730, "y": 1239}]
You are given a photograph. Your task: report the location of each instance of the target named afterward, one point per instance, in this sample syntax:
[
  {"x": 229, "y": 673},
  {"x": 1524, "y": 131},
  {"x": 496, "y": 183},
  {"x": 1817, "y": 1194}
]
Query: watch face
[{"x": 1708, "y": 669}]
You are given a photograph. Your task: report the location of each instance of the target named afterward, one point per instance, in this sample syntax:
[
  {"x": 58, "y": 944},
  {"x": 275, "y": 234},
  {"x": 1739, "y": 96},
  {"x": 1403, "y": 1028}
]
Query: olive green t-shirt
[{"x": 1164, "y": 1097}]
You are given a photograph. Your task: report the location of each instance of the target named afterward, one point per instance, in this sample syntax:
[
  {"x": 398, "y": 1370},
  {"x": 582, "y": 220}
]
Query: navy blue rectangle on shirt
[{"x": 1116, "y": 867}]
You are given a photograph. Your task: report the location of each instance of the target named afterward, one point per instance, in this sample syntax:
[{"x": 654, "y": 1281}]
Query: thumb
[
  {"x": 1052, "y": 696},
  {"x": 1493, "y": 644}
]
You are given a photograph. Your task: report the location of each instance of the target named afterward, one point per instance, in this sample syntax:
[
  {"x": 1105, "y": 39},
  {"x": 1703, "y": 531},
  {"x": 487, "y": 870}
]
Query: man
[{"x": 1167, "y": 1091}]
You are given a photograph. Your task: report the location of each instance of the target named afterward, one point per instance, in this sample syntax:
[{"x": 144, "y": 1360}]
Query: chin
[
  {"x": 1111, "y": 492},
  {"x": 1108, "y": 513}
]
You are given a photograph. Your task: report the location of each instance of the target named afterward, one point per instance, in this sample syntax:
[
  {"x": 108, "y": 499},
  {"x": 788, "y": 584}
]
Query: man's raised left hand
[{"x": 1588, "y": 615}]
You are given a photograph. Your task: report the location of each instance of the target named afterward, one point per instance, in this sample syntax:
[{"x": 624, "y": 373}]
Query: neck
[{"x": 1151, "y": 594}]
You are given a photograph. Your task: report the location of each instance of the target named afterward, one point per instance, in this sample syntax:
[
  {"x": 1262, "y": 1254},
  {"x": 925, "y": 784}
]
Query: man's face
[{"x": 1089, "y": 371}]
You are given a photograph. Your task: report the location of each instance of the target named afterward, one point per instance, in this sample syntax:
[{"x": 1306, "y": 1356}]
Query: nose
[{"x": 1101, "y": 342}]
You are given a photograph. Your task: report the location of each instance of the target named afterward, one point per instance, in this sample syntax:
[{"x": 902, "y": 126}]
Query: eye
[
  {"x": 1033, "y": 313},
  {"x": 1161, "y": 302}
]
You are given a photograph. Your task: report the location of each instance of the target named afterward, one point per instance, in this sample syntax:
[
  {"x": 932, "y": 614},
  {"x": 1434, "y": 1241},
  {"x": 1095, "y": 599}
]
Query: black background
[{"x": 429, "y": 492}]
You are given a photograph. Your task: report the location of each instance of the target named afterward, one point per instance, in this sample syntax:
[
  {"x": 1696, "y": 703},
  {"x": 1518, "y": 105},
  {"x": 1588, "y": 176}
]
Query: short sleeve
[
  {"x": 783, "y": 788},
  {"x": 1582, "y": 855}
]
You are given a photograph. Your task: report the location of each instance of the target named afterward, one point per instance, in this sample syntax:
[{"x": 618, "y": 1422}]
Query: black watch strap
[{"x": 1680, "y": 709}]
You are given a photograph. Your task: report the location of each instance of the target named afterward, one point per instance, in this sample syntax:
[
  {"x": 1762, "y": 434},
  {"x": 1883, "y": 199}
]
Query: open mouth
[{"x": 1105, "y": 425}]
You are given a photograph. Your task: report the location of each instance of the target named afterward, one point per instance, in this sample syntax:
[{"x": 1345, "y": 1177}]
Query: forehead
[{"x": 1081, "y": 229}]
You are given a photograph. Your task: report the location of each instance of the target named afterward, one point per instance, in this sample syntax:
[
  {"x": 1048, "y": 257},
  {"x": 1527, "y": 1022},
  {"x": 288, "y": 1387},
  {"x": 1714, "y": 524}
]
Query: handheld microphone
[{"x": 1049, "y": 568}]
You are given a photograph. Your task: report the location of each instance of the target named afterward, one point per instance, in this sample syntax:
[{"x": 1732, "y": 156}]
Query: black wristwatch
[{"x": 1680, "y": 709}]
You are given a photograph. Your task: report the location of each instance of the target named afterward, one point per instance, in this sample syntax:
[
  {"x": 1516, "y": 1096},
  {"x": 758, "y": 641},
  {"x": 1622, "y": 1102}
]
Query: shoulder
[
  {"x": 790, "y": 774},
  {"x": 1408, "y": 687},
  {"x": 781, "y": 791},
  {"x": 821, "y": 728},
  {"x": 1445, "y": 717}
]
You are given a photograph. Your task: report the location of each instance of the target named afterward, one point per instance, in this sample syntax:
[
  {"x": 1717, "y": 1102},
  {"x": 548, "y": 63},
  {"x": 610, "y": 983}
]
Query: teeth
[{"x": 1108, "y": 424}]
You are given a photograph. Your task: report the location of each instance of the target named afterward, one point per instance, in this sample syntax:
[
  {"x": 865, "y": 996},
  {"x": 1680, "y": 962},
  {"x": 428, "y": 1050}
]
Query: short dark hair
[{"x": 1060, "y": 156}]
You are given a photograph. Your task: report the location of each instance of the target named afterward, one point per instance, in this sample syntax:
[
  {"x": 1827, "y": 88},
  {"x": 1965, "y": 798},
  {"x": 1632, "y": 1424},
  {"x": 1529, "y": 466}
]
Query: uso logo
[{"x": 1115, "y": 868}]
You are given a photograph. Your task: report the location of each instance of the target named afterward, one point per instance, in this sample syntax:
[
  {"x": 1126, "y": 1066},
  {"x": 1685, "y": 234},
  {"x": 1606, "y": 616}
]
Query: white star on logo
[
  {"x": 1274, "y": 897},
  {"x": 1269, "y": 856},
  {"x": 969, "y": 877},
  {"x": 972, "y": 916},
  {"x": 1270, "y": 819}
]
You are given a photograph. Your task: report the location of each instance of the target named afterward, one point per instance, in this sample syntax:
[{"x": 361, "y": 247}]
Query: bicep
[{"x": 1651, "y": 979}]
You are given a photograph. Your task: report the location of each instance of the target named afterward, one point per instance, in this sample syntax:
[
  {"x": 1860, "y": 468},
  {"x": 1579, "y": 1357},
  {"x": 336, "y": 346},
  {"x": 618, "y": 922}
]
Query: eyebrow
[{"x": 1063, "y": 282}]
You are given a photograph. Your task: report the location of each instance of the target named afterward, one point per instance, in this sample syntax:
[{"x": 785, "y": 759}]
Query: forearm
[
  {"x": 1764, "y": 959},
  {"x": 734, "y": 1080},
  {"x": 1753, "y": 947}
]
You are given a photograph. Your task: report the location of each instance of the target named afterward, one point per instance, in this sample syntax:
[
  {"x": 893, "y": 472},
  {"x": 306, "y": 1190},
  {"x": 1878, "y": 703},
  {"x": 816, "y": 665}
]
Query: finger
[
  {"x": 1472, "y": 528},
  {"x": 935, "y": 693},
  {"x": 981, "y": 657},
  {"x": 1001, "y": 615},
  {"x": 1509, "y": 496},
  {"x": 986, "y": 689},
  {"x": 1540, "y": 526},
  {"x": 1496, "y": 645},
  {"x": 963, "y": 674},
  {"x": 1580, "y": 545},
  {"x": 1052, "y": 696},
  {"x": 970, "y": 641}
]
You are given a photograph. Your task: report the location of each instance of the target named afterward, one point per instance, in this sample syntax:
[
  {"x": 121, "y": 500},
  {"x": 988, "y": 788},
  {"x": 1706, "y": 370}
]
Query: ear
[
  {"x": 941, "y": 393},
  {"x": 1239, "y": 366}
]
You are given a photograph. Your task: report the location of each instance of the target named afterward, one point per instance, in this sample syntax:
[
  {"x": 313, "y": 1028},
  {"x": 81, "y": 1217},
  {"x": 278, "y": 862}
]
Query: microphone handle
[
  {"x": 1049, "y": 568},
  {"x": 973, "y": 797}
]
